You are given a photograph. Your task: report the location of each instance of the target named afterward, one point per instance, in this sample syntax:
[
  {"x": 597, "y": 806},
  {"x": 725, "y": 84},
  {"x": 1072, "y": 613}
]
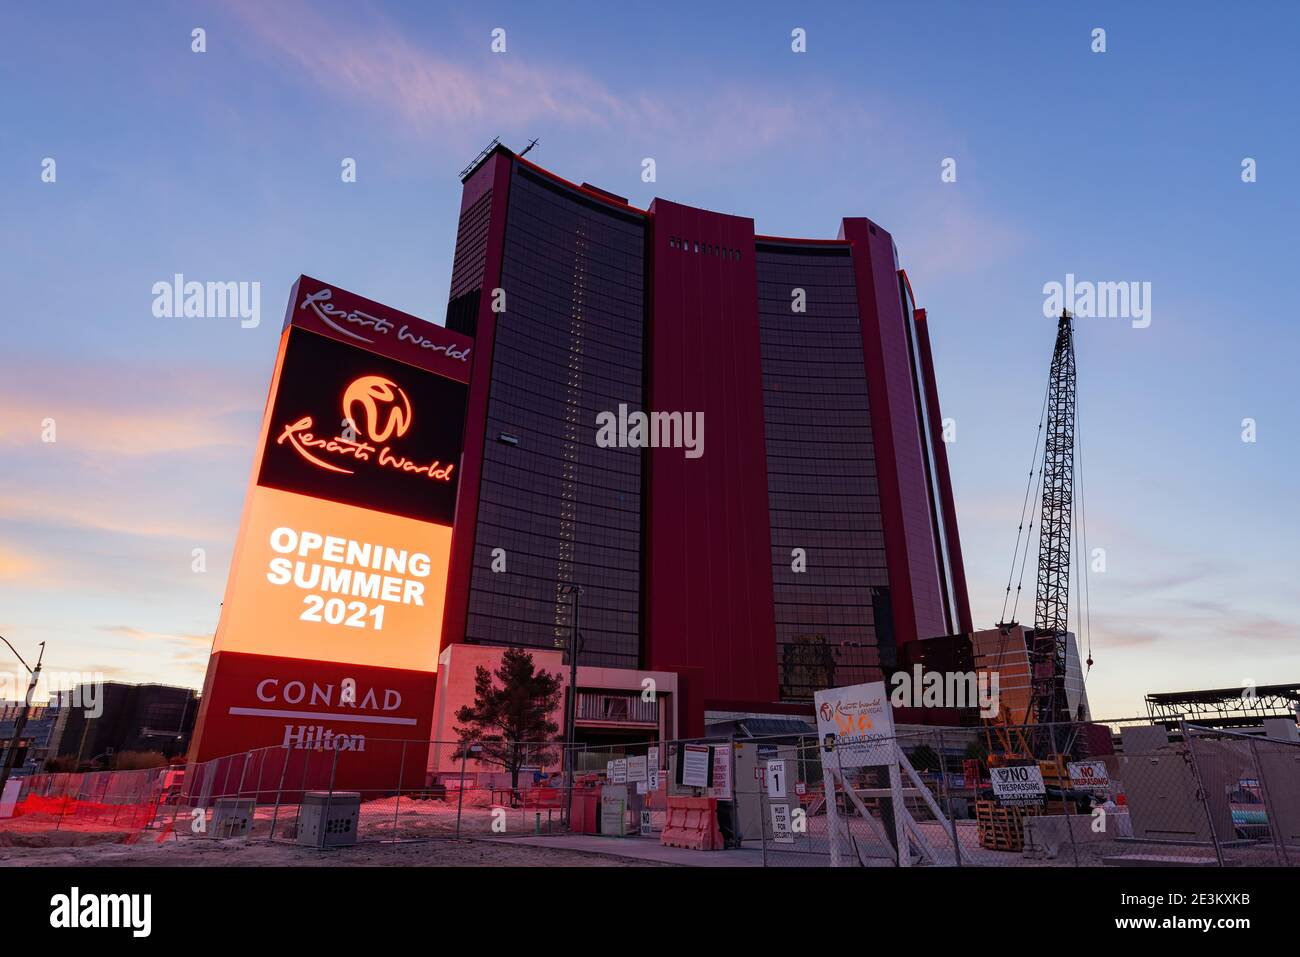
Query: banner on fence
[{"x": 856, "y": 725}]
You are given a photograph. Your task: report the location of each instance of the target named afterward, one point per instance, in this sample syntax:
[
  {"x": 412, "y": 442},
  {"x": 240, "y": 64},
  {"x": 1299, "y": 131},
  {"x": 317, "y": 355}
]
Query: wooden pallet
[{"x": 1001, "y": 828}]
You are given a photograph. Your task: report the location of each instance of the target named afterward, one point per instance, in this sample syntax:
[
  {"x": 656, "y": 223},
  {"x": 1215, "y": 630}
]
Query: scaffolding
[{"x": 1246, "y": 707}]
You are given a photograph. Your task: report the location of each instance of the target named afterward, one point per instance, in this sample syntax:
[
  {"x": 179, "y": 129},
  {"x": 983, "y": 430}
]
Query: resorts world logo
[
  {"x": 848, "y": 719},
  {"x": 366, "y": 393},
  {"x": 349, "y": 321},
  {"x": 384, "y": 411},
  {"x": 352, "y": 427}
]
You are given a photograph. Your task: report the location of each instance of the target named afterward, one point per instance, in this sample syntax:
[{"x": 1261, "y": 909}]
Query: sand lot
[{"x": 75, "y": 841}]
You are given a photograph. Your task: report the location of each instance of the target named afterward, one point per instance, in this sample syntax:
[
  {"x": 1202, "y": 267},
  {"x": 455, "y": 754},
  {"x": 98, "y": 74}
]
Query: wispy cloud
[
  {"x": 140, "y": 634},
  {"x": 123, "y": 410},
  {"x": 695, "y": 122},
  {"x": 123, "y": 516},
  {"x": 17, "y": 567},
  {"x": 186, "y": 654},
  {"x": 377, "y": 67},
  {"x": 953, "y": 236}
]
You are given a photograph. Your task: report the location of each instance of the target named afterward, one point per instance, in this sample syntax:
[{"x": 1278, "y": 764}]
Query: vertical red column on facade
[
  {"x": 494, "y": 176},
  {"x": 709, "y": 601},
  {"x": 917, "y": 600},
  {"x": 955, "y": 564}
]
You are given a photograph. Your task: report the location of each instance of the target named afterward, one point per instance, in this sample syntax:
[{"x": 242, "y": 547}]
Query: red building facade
[{"x": 815, "y": 534}]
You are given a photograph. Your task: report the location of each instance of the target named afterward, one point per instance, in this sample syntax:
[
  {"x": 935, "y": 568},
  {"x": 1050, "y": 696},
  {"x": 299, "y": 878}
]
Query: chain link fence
[{"x": 1193, "y": 796}]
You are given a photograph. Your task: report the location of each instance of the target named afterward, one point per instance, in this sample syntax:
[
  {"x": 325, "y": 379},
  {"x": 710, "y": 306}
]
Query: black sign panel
[{"x": 358, "y": 428}]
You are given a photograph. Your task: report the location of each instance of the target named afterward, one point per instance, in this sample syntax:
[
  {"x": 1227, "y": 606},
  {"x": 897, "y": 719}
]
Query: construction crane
[
  {"x": 1047, "y": 653},
  {"x": 1047, "y": 644},
  {"x": 1045, "y": 734}
]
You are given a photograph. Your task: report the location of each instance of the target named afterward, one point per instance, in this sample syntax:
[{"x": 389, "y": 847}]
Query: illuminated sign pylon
[{"x": 340, "y": 568}]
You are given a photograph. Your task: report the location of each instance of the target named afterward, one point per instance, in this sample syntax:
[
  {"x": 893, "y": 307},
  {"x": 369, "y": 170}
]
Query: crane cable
[
  {"x": 1024, "y": 556},
  {"x": 1020, "y": 530},
  {"x": 1085, "y": 594}
]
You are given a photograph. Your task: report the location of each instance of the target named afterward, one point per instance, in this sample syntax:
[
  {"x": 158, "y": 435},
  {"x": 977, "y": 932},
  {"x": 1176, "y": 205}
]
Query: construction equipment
[
  {"x": 1052, "y": 597},
  {"x": 1047, "y": 641},
  {"x": 1044, "y": 733}
]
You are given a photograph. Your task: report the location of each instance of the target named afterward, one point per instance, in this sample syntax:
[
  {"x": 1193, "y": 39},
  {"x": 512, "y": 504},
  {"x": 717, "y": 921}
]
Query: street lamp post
[
  {"x": 571, "y": 709},
  {"x": 20, "y": 723}
]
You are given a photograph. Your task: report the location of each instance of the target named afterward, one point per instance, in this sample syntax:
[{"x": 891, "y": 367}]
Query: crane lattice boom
[{"x": 1052, "y": 596}]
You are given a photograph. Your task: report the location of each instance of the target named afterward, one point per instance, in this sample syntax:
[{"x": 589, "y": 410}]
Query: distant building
[
  {"x": 44, "y": 725},
  {"x": 148, "y": 717},
  {"x": 1003, "y": 651}
]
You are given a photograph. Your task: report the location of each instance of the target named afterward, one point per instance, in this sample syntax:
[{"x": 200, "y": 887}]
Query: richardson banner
[{"x": 332, "y": 617}]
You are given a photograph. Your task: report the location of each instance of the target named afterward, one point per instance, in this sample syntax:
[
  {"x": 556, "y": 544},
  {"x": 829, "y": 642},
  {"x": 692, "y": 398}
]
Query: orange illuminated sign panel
[{"x": 331, "y": 582}]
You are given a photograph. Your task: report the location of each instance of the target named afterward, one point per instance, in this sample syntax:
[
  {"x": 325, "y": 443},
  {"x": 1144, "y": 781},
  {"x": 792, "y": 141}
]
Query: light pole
[
  {"x": 571, "y": 704},
  {"x": 21, "y": 721}
]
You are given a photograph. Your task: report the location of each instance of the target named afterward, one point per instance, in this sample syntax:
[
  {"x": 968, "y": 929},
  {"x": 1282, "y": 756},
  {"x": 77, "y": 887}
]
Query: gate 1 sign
[
  {"x": 332, "y": 615},
  {"x": 776, "y": 778}
]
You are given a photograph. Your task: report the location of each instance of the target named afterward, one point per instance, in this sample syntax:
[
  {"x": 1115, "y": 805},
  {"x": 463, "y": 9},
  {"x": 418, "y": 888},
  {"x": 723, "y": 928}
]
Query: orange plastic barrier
[
  {"x": 586, "y": 810},
  {"x": 693, "y": 824},
  {"x": 543, "y": 797},
  {"x": 38, "y": 813}
]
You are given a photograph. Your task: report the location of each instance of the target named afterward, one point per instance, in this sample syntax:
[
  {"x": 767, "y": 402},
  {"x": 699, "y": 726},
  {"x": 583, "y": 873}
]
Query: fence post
[
  {"x": 737, "y": 834},
  {"x": 176, "y": 798},
  {"x": 947, "y": 801},
  {"x": 108, "y": 794},
  {"x": 279, "y": 791},
  {"x": 1200, "y": 789},
  {"x": 460, "y": 791},
  {"x": 401, "y": 778},
  {"x": 829, "y": 782},
  {"x": 226, "y": 782},
  {"x": 897, "y": 806},
  {"x": 1270, "y": 809},
  {"x": 1069, "y": 804},
  {"x": 329, "y": 799},
  {"x": 63, "y": 808},
  {"x": 243, "y": 772},
  {"x": 257, "y": 790}
]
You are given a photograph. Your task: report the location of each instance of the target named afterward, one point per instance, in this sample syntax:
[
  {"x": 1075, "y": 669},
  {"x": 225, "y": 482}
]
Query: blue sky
[{"x": 1118, "y": 166}]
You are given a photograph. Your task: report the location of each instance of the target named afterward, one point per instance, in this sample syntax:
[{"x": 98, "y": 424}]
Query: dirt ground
[
  {"x": 96, "y": 840},
  {"x": 197, "y": 852}
]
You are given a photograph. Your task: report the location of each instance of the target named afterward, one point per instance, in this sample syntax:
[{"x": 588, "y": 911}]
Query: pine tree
[{"x": 511, "y": 723}]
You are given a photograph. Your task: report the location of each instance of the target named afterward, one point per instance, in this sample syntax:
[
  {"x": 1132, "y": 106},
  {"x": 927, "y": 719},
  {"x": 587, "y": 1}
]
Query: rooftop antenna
[{"x": 528, "y": 147}]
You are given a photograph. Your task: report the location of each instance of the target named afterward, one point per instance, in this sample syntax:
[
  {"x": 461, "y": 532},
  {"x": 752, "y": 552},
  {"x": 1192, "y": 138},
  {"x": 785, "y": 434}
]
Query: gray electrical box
[
  {"x": 232, "y": 817},
  {"x": 328, "y": 819}
]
